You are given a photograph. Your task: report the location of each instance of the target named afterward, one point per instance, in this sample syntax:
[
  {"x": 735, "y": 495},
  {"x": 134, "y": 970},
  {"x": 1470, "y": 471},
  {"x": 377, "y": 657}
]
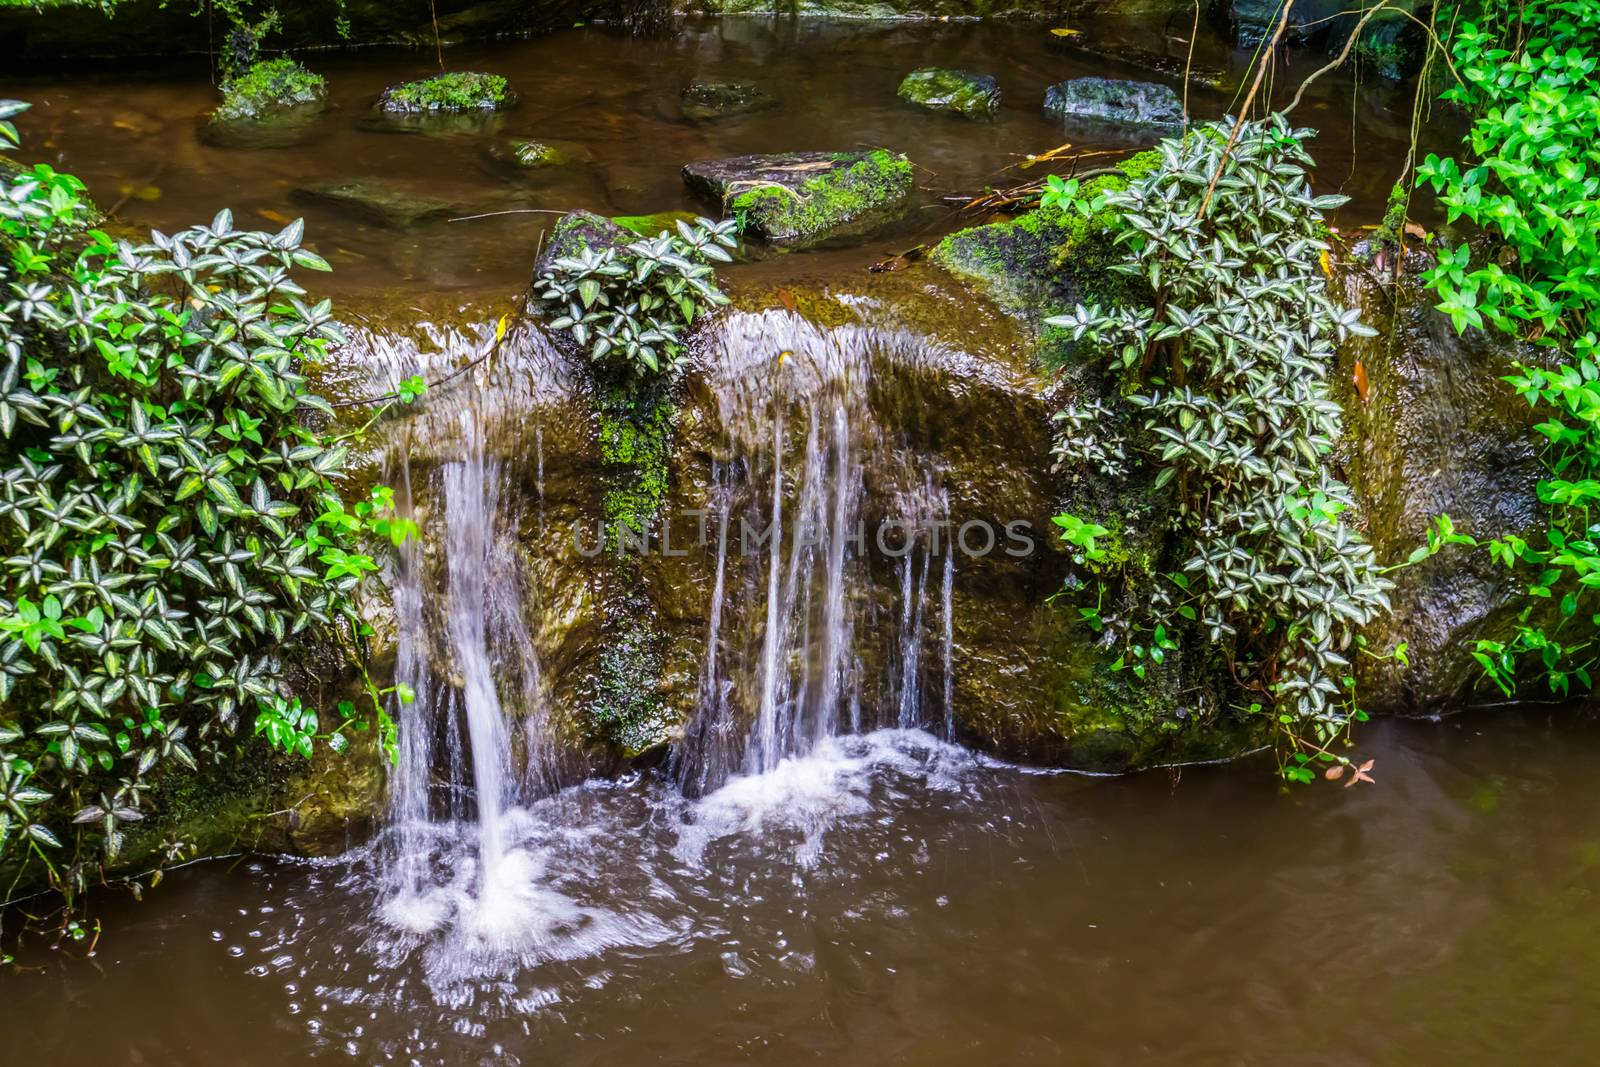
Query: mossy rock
[
  {"x": 378, "y": 202},
  {"x": 268, "y": 86},
  {"x": 958, "y": 91},
  {"x": 577, "y": 231},
  {"x": 803, "y": 199},
  {"x": 1116, "y": 102},
  {"x": 1045, "y": 261},
  {"x": 711, "y": 101},
  {"x": 274, "y": 104},
  {"x": 455, "y": 91}
]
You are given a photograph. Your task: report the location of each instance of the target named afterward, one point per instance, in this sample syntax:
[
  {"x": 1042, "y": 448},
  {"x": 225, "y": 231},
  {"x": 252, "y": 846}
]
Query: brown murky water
[
  {"x": 952, "y": 913},
  {"x": 133, "y": 135}
]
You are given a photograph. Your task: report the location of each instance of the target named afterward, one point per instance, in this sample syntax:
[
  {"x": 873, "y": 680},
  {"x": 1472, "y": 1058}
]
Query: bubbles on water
[{"x": 598, "y": 886}]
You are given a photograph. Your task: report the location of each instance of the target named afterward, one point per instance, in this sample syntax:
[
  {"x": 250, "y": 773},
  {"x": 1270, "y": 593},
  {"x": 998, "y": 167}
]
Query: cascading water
[{"x": 793, "y": 500}]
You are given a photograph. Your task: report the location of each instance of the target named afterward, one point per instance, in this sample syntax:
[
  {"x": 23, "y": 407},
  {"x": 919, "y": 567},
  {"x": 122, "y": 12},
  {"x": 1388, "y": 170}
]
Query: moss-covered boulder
[
  {"x": 958, "y": 91},
  {"x": 454, "y": 91},
  {"x": 1045, "y": 261},
  {"x": 274, "y": 104},
  {"x": 378, "y": 202},
  {"x": 803, "y": 199},
  {"x": 1432, "y": 429},
  {"x": 711, "y": 101},
  {"x": 1117, "y": 102},
  {"x": 268, "y": 86}
]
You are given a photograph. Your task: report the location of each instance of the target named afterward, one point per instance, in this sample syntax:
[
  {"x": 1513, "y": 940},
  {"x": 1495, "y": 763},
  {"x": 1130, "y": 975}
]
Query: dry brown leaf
[{"x": 786, "y": 298}]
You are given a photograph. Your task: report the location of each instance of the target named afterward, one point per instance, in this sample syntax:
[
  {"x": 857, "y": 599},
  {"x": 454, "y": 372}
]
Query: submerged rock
[
  {"x": 377, "y": 202},
  {"x": 807, "y": 198},
  {"x": 951, "y": 90},
  {"x": 709, "y": 101},
  {"x": 1173, "y": 66},
  {"x": 1129, "y": 103}
]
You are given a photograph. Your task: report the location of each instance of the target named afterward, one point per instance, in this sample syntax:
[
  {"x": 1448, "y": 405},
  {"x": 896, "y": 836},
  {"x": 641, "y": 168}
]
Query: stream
[{"x": 825, "y": 874}]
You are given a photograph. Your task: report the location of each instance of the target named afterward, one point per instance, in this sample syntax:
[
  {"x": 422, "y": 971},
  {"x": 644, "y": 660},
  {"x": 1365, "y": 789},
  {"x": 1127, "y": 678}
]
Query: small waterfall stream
[
  {"x": 809, "y": 460},
  {"x": 811, "y": 634}
]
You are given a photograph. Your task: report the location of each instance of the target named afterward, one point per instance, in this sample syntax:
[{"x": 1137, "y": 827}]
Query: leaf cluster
[{"x": 1227, "y": 365}]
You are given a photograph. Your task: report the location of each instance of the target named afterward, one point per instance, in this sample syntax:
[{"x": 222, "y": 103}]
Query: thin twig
[
  {"x": 438, "y": 46},
  {"x": 1244, "y": 111},
  {"x": 510, "y": 211},
  {"x": 1188, "y": 64},
  {"x": 1344, "y": 54}
]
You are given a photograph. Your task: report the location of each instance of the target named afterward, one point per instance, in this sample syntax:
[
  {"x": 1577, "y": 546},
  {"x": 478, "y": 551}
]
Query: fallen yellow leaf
[{"x": 1064, "y": 32}]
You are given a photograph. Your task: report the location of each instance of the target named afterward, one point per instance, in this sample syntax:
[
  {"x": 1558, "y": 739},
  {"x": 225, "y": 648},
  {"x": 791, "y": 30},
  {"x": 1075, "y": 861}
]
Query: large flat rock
[{"x": 807, "y": 198}]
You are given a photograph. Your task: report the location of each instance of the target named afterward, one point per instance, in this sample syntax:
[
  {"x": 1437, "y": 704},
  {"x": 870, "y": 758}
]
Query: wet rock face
[
  {"x": 1438, "y": 433},
  {"x": 802, "y": 199},
  {"x": 956, "y": 91},
  {"x": 710, "y": 101},
  {"x": 1128, "y": 103}
]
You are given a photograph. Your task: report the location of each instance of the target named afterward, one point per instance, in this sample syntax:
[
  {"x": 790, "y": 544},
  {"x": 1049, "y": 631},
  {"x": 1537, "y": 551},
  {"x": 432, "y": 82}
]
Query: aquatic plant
[
  {"x": 631, "y": 306},
  {"x": 1531, "y": 186},
  {"x": 1226, "y": 366},
  {"x": 167, "y": 521}
]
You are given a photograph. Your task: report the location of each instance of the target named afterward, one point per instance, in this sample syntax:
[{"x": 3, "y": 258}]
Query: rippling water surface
[{"x": 891, "y": 899}]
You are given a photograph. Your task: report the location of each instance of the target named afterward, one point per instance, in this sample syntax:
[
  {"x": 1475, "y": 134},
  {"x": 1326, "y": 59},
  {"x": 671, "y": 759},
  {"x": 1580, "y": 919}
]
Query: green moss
[
  {"x": 455, "y": 91},
  {"x": 651, "y": 225},
  {"x": 626, "y": 707},
  {"x": 1046, "y": 260},
  {"x": 270, "y": 85},
  {"x": 957, "y": 91},
  {"x": 533, "y": 154},
  {"x": 635, "y": 439},
  {"x": 877, "y": 182}
]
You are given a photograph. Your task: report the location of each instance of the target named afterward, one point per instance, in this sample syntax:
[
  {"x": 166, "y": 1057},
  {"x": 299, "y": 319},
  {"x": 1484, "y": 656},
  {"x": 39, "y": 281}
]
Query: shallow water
[
  {"x": 892, "y": 900},
  {"x": 133, "y": 135}
]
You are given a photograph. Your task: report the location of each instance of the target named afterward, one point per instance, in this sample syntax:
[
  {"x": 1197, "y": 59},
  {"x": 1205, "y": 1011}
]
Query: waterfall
[
  {"x": 475, "y": 742},
  {"x": 787, "y": 647}
]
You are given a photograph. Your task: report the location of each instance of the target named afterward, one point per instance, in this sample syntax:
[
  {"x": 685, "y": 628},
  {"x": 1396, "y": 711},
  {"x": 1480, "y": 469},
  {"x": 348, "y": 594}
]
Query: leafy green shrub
[
  {"x": 167, "y": 519},
  {"x": 1227, "y": 366},
  {"x": 455, "y": 91},
  {"x": 1533, "y": 188},
  {"x": 269, "y": 85},
  {"x": 631, "y": 306}
]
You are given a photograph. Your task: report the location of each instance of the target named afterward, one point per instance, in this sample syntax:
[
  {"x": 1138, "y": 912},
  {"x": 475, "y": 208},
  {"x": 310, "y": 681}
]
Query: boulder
[
  {"x": 274, "y": 104},
  {"x": 802, "y": 199},
  {"x": 1127, "y": 103},
  {"x": 1438, "y": 432},
  {"x": 958, "y": 91},
  {"x": 710, "y": 101}
]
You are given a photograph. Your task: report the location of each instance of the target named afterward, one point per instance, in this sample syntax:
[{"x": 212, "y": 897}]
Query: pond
[{"x": 900, "y": 902}]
